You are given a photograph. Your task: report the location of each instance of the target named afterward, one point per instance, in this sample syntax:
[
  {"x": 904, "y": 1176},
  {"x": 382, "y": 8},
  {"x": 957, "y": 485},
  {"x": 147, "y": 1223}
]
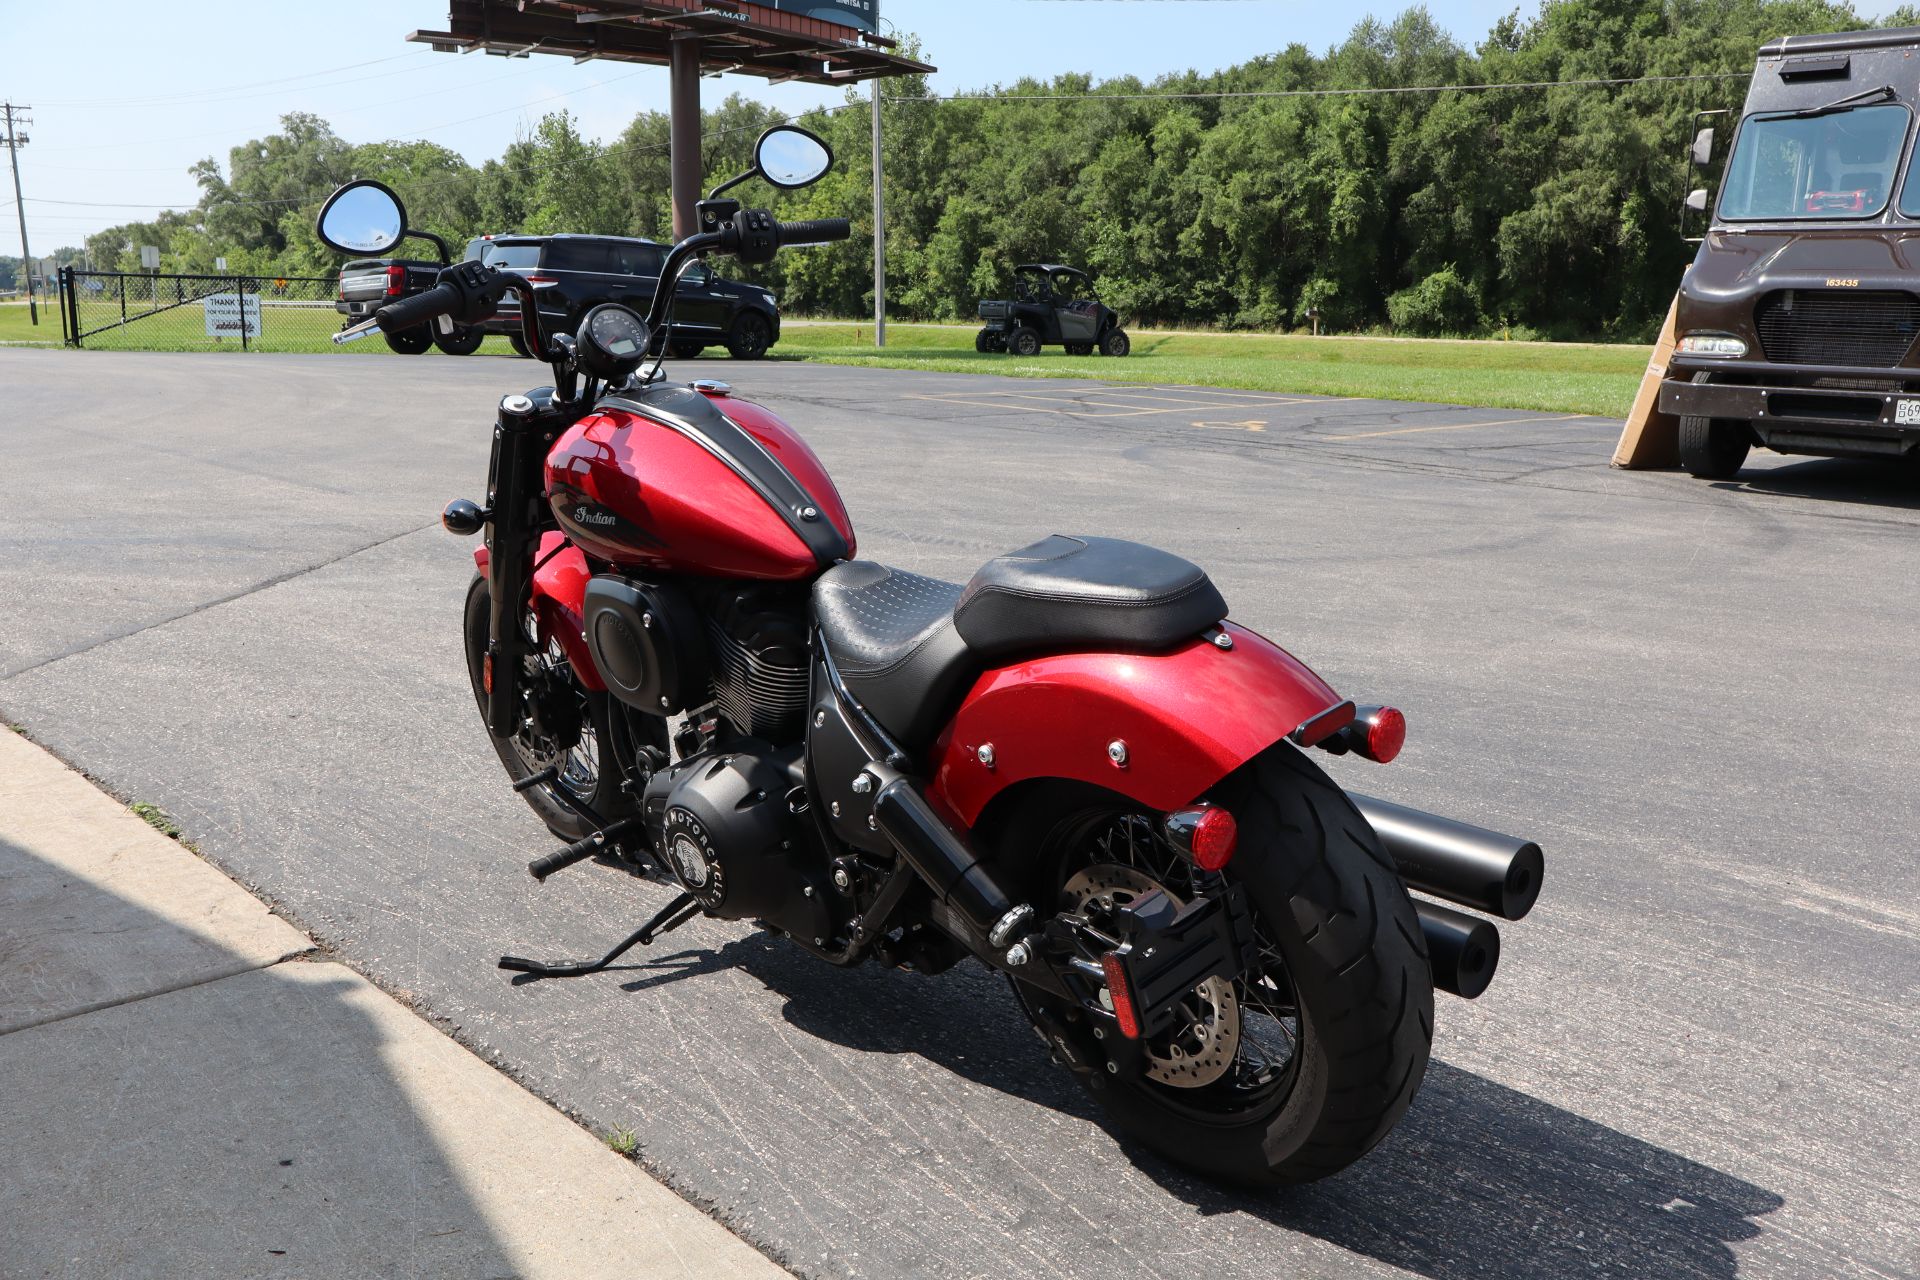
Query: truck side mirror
[
  {"x": 1697, "y": 199},
  {"x": 1703, "y": 147}
]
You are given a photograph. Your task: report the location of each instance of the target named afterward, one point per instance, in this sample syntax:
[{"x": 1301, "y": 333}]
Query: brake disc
[{"x": 1201, "y": 1044}]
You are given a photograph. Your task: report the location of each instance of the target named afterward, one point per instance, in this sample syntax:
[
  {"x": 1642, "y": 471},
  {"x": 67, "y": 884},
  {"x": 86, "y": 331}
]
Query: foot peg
[
  {"x": 582, "y": 849},
  {"x": 671, "y": 917}
]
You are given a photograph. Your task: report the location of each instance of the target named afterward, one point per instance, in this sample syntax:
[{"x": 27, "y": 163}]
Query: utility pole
[
  {"x": 879, "y": 230},
  {"x": 20, "y": 206}
]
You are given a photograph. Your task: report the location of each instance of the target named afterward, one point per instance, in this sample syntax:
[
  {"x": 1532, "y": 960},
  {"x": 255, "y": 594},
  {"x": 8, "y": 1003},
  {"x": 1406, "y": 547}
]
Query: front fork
[{"x": 514, "y": 494}]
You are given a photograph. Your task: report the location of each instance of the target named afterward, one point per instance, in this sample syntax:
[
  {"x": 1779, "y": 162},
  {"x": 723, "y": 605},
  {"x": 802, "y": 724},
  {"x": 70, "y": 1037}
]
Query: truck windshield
[{"x": 1838, "y": 165}]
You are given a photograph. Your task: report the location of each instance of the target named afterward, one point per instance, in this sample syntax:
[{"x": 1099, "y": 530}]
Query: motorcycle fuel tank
[{"x": 673, "y": 480}]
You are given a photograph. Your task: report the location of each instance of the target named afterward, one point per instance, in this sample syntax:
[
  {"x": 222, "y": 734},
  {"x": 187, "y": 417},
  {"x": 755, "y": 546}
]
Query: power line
[{"x": 200, "y": 94}]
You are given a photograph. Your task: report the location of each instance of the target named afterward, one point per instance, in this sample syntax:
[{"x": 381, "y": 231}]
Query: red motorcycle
[{"x": 1072, "y": 768}]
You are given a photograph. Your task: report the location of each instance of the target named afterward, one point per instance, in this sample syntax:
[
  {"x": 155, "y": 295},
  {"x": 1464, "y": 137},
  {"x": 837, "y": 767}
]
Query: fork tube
[{"x": 510, "y": 553}]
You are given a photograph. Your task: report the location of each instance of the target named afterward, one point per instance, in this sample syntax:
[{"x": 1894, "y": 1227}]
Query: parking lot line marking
[
  {"x": 1455, "y": 426},
  {"x": 1122, "y": 411}
]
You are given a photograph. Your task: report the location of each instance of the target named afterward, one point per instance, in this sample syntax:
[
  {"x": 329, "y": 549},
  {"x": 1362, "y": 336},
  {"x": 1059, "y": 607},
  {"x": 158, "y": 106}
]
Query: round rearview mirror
[
  {"x": 362, "y": 217},
  {"x": 791, "y": 157}
]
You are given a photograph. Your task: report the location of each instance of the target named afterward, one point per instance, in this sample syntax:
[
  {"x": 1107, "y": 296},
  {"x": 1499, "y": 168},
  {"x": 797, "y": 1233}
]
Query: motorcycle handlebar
[
  {"x": 814, "y": 231},
  {"x": 441, "y": 300}
]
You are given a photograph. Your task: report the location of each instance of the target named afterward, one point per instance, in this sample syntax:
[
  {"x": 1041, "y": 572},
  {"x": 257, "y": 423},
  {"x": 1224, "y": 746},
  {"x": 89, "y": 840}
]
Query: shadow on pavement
[
  {"x": 248, "y": 1125},
  {"x": 1889, "y": 482},
  {"x": 1479, "y": 1182}
]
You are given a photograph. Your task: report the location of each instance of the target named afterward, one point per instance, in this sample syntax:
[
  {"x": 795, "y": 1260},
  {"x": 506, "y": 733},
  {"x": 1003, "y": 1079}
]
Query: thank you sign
[{"x": 232, "y": 315}]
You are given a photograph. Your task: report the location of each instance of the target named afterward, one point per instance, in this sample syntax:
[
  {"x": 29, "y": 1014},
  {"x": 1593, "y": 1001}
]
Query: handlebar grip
[
  {"x": 815, "y": 231},
  {"x": 442, "y": 299}
]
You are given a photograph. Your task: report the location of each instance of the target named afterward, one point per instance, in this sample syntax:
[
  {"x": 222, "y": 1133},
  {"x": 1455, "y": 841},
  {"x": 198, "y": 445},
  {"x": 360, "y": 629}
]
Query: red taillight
[
  {"x": 540, "y": 282},
  {"x": 1122, "y": 993},
  {"x": 1207, "y": 834},
  {"x": 1215, "y": 837},
  {"x": 396, "y": 281},
  {"x": 1386, "y": 733}
]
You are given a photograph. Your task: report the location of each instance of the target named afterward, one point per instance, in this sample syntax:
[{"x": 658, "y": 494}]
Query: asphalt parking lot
[{"x": 225, "y": 591}]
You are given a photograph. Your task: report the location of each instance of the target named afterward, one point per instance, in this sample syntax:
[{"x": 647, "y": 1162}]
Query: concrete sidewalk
[{"x": 189, "y": 1093}]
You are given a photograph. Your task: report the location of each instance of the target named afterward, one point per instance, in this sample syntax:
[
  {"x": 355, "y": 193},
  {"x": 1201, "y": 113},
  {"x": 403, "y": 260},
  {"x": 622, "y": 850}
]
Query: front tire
[
  {"x": 1713, "y": 448},
  {"x": 592, "y": 768},
  {"x": 1343, "y": 961},
  {"x": 519, "y": 345},
  {"x": 1115, "y": 343},
  {"x": 1024, "y": 342}
]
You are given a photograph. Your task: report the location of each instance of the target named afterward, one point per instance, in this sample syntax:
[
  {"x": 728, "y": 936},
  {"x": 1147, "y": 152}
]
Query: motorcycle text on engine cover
[{"x": 1073, "y": 768}]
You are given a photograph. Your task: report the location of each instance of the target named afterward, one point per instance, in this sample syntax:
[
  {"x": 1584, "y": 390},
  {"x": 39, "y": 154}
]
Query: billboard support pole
[
  {"x": 684, "y": 131},
  {"x": 879, "y": 229}
]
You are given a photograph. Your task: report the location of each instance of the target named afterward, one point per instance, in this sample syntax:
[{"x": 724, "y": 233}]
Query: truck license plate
[{"x": 1906, "y": 413}]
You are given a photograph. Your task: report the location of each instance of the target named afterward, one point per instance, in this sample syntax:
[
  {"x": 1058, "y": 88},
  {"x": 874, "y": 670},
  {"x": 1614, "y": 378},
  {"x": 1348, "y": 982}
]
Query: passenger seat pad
[{"x": 1067, "y": 592}]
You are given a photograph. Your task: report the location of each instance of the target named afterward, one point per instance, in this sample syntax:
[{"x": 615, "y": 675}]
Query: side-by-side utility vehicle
[
  {"x": 1075, "y": 770},
  {"x": 1053, "y": 305},
  {"x": 1799, "y": 320}
]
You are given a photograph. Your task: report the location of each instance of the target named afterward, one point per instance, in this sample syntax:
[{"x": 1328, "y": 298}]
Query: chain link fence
[{"x": 126, "y": 311}]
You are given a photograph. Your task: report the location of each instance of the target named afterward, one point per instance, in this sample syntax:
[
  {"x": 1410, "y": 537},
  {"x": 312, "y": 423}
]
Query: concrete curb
[{"x": 184, "y": 1101}]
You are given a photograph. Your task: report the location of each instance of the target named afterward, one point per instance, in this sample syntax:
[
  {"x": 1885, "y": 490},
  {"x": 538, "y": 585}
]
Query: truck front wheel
[{"x": 1713, "y": 448}]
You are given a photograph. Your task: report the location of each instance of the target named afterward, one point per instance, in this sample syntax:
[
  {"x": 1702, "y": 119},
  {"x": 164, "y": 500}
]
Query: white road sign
[{"x": 229, "y": 313}]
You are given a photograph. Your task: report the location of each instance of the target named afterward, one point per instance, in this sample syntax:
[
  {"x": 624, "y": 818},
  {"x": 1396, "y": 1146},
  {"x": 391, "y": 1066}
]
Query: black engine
[{"x": 731, "y": 826}]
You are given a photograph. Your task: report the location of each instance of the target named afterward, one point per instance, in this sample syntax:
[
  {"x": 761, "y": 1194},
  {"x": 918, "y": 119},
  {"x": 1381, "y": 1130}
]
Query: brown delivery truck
[{"x": 1797, "y": 323}]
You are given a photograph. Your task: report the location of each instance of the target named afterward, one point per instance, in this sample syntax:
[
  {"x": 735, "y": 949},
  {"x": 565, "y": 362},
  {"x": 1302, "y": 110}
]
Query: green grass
[
  {"x": 157, "y": 818},
  {"x": 1549, "y": 376},
  {"x": 16, "y": 325},
  {"x": 623, "y": 1140},
  {"x": 284, "y": 328},
  {"x": 1555, "y": 377}
]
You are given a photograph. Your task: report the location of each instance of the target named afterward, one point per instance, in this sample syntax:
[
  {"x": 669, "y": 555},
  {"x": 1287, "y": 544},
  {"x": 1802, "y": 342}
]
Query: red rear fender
[{"x": 1185, "y": 720}]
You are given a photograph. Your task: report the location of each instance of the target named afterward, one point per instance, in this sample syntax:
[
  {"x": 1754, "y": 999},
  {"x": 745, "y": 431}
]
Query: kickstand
[{"x": 671, "y": 917}]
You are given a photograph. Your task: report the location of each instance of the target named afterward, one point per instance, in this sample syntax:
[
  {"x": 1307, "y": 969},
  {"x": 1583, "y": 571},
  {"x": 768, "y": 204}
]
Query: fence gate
[{"x": 133, "y": 311}]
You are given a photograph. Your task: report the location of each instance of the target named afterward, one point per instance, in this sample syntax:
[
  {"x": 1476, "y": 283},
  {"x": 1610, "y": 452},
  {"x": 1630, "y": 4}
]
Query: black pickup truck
[{"x": 367, "y": 284}]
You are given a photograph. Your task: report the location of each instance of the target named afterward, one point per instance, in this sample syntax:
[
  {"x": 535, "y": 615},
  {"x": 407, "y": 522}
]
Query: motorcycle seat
[
  {"x": 906, "y": 644},
  {"x": 892, "y": 637}
]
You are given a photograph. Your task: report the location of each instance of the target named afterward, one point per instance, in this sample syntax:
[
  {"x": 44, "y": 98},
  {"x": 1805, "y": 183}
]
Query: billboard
[{"x": 864, "y": 14}]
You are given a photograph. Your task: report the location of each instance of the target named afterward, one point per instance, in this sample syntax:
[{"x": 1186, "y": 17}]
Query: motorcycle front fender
[
  {"x": 1159, "y": 728},
  {"x": 559, "y": 589}
]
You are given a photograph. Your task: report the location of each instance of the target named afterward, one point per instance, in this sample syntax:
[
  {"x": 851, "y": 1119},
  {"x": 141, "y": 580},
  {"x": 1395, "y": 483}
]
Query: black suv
[{"x": 573, "y": 274}]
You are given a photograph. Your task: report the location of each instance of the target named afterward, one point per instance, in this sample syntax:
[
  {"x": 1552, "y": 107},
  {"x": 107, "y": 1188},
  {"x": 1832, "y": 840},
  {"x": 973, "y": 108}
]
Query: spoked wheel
[
  {"x": 1301, "y": 1064},
  {"x": 589, "y": 738}
]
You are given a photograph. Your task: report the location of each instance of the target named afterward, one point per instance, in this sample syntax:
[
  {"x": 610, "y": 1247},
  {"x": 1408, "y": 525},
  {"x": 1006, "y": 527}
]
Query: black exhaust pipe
[
  {"x": 1464, "y": 950},
  {"x": 1472, "y": 866}
]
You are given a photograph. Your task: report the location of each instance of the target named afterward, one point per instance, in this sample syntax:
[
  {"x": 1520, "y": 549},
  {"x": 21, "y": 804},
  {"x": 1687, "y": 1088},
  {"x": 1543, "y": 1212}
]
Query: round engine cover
[{"x": 728, "y": 836}]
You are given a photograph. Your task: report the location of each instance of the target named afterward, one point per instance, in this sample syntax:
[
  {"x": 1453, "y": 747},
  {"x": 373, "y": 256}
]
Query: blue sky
[{"x": 119, "y": 117}]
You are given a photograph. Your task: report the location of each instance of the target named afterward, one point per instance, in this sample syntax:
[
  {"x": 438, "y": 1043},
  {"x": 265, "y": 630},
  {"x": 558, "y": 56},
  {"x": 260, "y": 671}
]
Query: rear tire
[
  {"x": 751, "y": 337},
  {"x": 985, "y": 341},
  {"x": 461, "y": 342},
  {"x": 519, "y": 345},
  {"x": 1024, "y": 342},
  {"x": 410, "y": 342},
  {"x": 1331, "y": 907},
  {"x": 1713, "y": 448},
  {"x": 685, "y": 350}
]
